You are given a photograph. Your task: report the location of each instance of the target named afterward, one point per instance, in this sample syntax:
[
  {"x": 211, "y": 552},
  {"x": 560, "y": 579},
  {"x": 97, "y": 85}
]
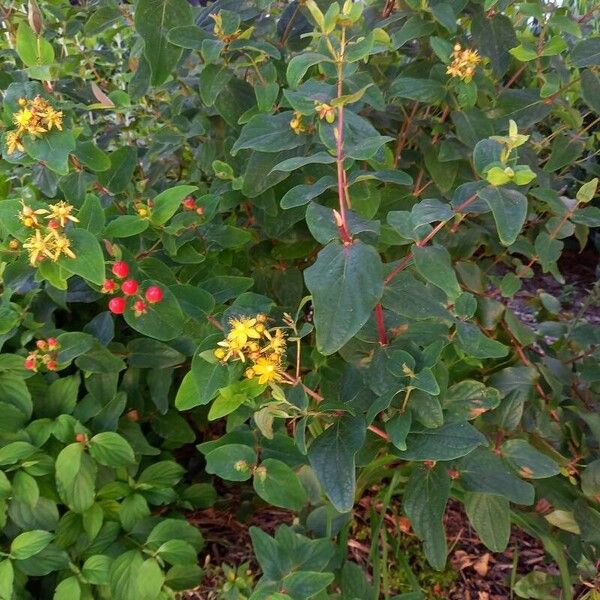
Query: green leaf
[
  {"x": 233, "y": 462},
  {"x": 76, "y": 478},
  {"x": 434, "y": 264},
  {"x": 346, "y": 282},
  {"x": 122, "y": 165},
  {"x": 529, "y": 462},
  {"x": 586, "y": 53},
  {"x": 110, "y": 449},
  {"x": 299, "y": 64},
  {"x": 89, "y": 260},
  {"x": 146, "y": 353},
  {"x": 468, "y": 399},
  {"x": 188, "y": 395},
  {"x": 162, "y": 320},
  {"x": 32, "y": 49},
  {"x": 168, "y": 202},
  {"x": 30, "y": 543},
  {"x": 188, "y": 36},
  {"x": 429, "y": 91},
  {"x": 296, "y": 162},
  {"x": 126, "y": 226},
  {"x": 268, "y": 133},
  {"x": 447, "y": 442},
  {"x": 590, "y": 90},
  {"x": 96, "y": 568},
  {"x": 209, "y": 377},
  {"x": 304, "y": 584},
  {"x": 490, "y": 517},
  {"x": 90, "y": 156},
  {"x": 425, "y": 497},
  {"x": 277, "y": 484},
  {"x": 177, "y": 552},
  {"x": 484, "y": 471},
  {"x": 68, "y": 589},
  {"x": 7, "y": 576},
  {"x": 494, "y": 36},
  {"x": 587, "y": 191},
  {"x": 213, "y": 80},
  {"x": 162, "y": 474},
  {"x": 331, "y": 456},
  {"x": 509, "y": 208},
  {"x": 475, "y": 343},
  {"x": 225, "y": 403},
  {"x": 153, "y": 20},
  {"x": 52, "y": 148},
  {"x": 564, "y": 150}
]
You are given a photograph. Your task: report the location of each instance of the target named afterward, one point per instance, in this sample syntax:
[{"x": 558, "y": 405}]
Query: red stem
[{"x": 380, "y": 325}]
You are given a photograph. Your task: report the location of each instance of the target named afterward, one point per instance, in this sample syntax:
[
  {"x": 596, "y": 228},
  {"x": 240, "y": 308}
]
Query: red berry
[
  {"x": 51, "y": 365},
  {"x": 41, "y": 344},
  {"x": 52, "y": 343},
  {"x": 80, "y": 437},
  {"x": 30, "y": 364},
  {"x": 154, "y": 294},
  {"x": 53, "y": 224},
  {"x": 129, "y": 287},
  {"x": 189, "y": 203},
  {"x": 109, "y": 285},
  {"x": 121, "y": 269},
  {"x": 117, "y": 305},
  {"x": 139, "y": 307}
]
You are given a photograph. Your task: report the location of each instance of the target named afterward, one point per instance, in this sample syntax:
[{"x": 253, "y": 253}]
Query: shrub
[{"x": 290, "y": 234}]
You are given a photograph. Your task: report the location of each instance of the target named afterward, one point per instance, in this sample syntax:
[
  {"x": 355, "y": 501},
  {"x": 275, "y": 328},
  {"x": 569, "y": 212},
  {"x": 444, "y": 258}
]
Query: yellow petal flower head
[
  {"x": 13, "y": 142},
  {"x": 62, "y": 245},
  {"x": 267, "y": 368},
  {"x": 232, "y": 348},
  {"x": 277, "y": 342},
  {"x": 23, "y": 118},
  {"x": 40, "y": 247},
  {"x": 61, "y": 212},
  {"x": 53, "y": 118},
  {"x": 242, "y": 330},
  {"x": 28, "y": 216}
]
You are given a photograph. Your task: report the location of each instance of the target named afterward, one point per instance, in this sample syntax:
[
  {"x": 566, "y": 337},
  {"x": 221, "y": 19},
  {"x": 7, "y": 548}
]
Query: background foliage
[{"x": 381, "y": 196}]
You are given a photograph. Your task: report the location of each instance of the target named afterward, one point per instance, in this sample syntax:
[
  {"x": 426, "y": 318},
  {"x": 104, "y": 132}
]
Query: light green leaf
[
  {"x": 30, "y": 543},
  {"x": 277, "y": 484},
  {"x": 110, "y": 449}
]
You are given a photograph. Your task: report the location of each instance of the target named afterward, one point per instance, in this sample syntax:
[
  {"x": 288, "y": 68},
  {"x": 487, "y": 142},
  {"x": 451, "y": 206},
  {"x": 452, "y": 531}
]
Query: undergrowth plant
[{"x": 272, "y": 249}]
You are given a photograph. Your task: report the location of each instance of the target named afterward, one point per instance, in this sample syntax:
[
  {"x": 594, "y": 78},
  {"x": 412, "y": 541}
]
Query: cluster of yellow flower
[
  {"x": 35, "y": 118},
  {"x": 249, "y": 338},
  {"x": 48, "y": 241},
  {"x": 463, "y": 63}
]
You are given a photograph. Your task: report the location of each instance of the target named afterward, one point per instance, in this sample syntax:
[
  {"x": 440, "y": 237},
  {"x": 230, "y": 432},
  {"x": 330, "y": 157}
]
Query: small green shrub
[{"x": 291, "y": 234}]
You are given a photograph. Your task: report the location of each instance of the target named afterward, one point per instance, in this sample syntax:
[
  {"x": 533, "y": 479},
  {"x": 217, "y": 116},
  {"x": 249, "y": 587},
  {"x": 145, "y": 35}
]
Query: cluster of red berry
[
  {"x": 45, "y": 354},
  {"x": 129, "y": 288}
]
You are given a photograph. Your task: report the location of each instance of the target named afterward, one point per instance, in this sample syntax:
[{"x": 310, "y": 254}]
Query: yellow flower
[
  {"x": 13, "y": 142},
  {"x": 22, "y": 118},
  {"x": 28, "y": 216},
  {"x": 232, "y": 348},
  {"x": 463, "y": 63},
  {"x": 53, "y": 118},
  {"x": 277, "y": 342},
  {"x": 296, "y": 123},
  {"x": 61, "y": 211},
  {"x": 40, "y": 247},
  {"x": 243, "y": 329},
  {"x": 62, "y": 245},
  {"x": 267, "y": 368}
]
